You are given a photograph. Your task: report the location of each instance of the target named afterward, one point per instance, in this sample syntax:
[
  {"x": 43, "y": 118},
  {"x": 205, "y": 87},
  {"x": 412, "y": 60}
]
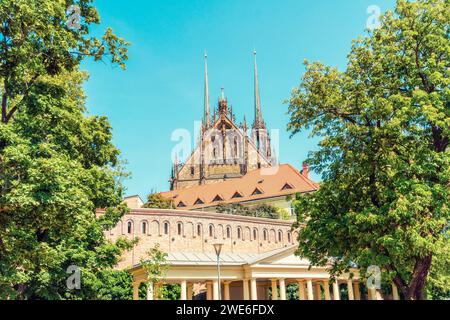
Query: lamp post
[{"x": 218, "y": 248}]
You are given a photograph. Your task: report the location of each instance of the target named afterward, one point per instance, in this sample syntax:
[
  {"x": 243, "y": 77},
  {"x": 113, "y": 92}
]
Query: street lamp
[{"x": 218, "y": 248}]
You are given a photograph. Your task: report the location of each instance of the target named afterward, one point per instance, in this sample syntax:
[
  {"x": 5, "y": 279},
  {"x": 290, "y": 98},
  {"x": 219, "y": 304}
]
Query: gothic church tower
[{"x": 225, "y": 150}]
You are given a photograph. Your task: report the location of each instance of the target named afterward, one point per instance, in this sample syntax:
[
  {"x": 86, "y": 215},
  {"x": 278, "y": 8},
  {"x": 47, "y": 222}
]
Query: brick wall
[{"x": 196, "y": 231}]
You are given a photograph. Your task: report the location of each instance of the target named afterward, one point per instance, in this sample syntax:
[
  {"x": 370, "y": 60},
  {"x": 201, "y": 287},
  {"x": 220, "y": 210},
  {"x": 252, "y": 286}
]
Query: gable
[{"x": 283, "y": 256}]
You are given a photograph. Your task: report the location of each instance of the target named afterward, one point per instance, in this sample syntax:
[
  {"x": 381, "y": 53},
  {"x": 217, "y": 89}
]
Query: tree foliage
[
  {"x": 384, "y": 126},
  {"x": 260, "y": 211},
  {"x": 156, "y": 200},
  {"x": 36, "y": 40},
  {"x": 156, "y": 268},
  {"x": 57, "y": 165}
]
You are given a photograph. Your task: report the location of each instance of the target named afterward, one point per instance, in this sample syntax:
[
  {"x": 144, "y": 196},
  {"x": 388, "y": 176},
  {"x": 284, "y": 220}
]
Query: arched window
[
  {"x": 199, "y": 230},
  {"x": 211, "y": 230},
  {"x": 228, "y": 232},
  {"x": 235, "y": 147},
  {"x": 239, "y": 233},
  {"x": 255, "y": 234},
  {"x": 280, "y": 236},
  {"x": 289, "y": 237},
  {"x": 130, "y": 227},
  {"x": 166, "y": 228},
  {"x": 179, "y": 228},
  {"x": 265, "y": 235},
  {"x": 144, "y": 227}
]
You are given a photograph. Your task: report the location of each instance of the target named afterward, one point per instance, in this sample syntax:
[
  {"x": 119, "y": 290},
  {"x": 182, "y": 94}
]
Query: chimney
[{"x": 305, "y": 170}]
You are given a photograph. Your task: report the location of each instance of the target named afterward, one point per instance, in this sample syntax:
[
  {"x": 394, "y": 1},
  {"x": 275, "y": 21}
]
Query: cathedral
[{"x": 225, "y": 149}]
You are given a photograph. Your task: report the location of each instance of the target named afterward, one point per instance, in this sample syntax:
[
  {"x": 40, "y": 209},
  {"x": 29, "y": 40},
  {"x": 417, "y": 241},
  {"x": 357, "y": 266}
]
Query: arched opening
[
  {"x": 211, "y": 230},
  {"x": 180, "y": 228},
  {"x": 228, "y": 232},
  {"x": 239, "y": 233},
  {"x": 199, "y": 230},
  {"x": 130, "y": 227},
  {"x": 166, "y": 228},
  {"x": 144, "y": 227}
]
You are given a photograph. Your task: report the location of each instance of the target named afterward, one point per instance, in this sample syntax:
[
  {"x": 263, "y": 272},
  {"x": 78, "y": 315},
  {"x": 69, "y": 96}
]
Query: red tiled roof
[{"x": 270, "y": 181}]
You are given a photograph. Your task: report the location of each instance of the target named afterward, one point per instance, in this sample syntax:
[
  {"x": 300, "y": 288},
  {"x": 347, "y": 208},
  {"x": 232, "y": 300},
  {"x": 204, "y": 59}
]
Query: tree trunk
[{"x": 414, "y": 290}]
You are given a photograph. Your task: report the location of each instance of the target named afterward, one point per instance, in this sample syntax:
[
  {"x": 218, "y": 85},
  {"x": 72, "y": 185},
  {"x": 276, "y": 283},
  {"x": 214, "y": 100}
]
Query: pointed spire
[
  {"x": 258, "y": 114},
  {"x": 206, "y": 113},
  {"x": 223, "y": 104}
]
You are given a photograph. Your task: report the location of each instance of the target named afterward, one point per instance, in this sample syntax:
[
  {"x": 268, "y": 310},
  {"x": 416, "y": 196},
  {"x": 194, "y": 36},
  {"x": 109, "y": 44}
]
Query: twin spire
[
  {"x": 258, "y": 121},
  {"x": 206, "y": 115}
]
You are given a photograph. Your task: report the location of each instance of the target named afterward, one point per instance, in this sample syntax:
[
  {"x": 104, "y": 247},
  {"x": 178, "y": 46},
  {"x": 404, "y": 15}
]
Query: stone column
[
  {"x": 318, "y": 291},
  {"x": 395, "y": 295},
  {"x": 326, "y": 289},
  {"x": 157, "y": 291},
  {"x": 274, "y": 289},
  {"x": 282, "y": 289},
  {"x": 253, "y": 289},
  {"x": 310, "y": 289},
  {"x": 336, "y": 293},
  {"x": 372, "y": 294},
  {"x": 378, "y": 295},
  {"x": 226, "y": 290},
  {"x": 245, "y": 289},
  {"x": 136, "y": 290},
  {"x": 208, "y": 291},
  {"x": 150, "y": 295},
  {"x": 357, "y": 291},
  {"x": 301, "y": 290},
  {"x": 215, "y": 290},
  {"x": 351, "y": 296},
  {"x": 183, "y": 295},
  {"x": 190, "y": 291}
]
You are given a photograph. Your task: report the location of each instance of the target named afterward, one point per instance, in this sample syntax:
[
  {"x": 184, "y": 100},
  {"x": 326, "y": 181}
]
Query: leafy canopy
[
  {"x": 384, "y": 126},
  {"x": 156, "y": 200},
  {"x": 57, "y": 165}
]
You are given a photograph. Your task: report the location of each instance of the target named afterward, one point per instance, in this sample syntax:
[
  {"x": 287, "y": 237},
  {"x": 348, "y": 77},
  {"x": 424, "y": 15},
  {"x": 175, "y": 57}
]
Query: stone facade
[
  {"x": 225, "y": 150},
  {"x": 196, "y": 231}
]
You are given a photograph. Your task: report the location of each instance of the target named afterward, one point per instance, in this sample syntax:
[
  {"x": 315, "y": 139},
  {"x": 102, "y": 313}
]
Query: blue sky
[{"x": 162, "y": 88}]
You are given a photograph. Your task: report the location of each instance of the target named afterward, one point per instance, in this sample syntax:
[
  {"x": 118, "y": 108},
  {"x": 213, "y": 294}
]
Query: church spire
[
  {"x": 206, "y": 113},
  {"x": 259, "y": 122}
]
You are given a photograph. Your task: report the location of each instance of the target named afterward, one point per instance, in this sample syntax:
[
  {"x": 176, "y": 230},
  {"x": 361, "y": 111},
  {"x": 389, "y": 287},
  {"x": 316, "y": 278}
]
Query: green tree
[
  {"x": 260, "y": 211},
  {"x": 37, "y": 39},
  {"x": 438, "y": 284},
  {"x": 56, "y": 164},
  {"x": 114, "y": 285},
  {"x": 156, "y": 200},
  {"x": 384, "y": 126}
]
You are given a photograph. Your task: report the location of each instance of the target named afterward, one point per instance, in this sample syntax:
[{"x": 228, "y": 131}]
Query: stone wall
[{"x": 196, "y": 231}]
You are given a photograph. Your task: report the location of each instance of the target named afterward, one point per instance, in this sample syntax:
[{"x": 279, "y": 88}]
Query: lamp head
[{"x": 218, "y": 248}]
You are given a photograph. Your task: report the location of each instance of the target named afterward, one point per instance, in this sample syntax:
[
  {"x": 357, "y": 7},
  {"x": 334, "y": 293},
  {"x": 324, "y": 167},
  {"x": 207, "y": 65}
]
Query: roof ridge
[{"x": 307, "y": 180}]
